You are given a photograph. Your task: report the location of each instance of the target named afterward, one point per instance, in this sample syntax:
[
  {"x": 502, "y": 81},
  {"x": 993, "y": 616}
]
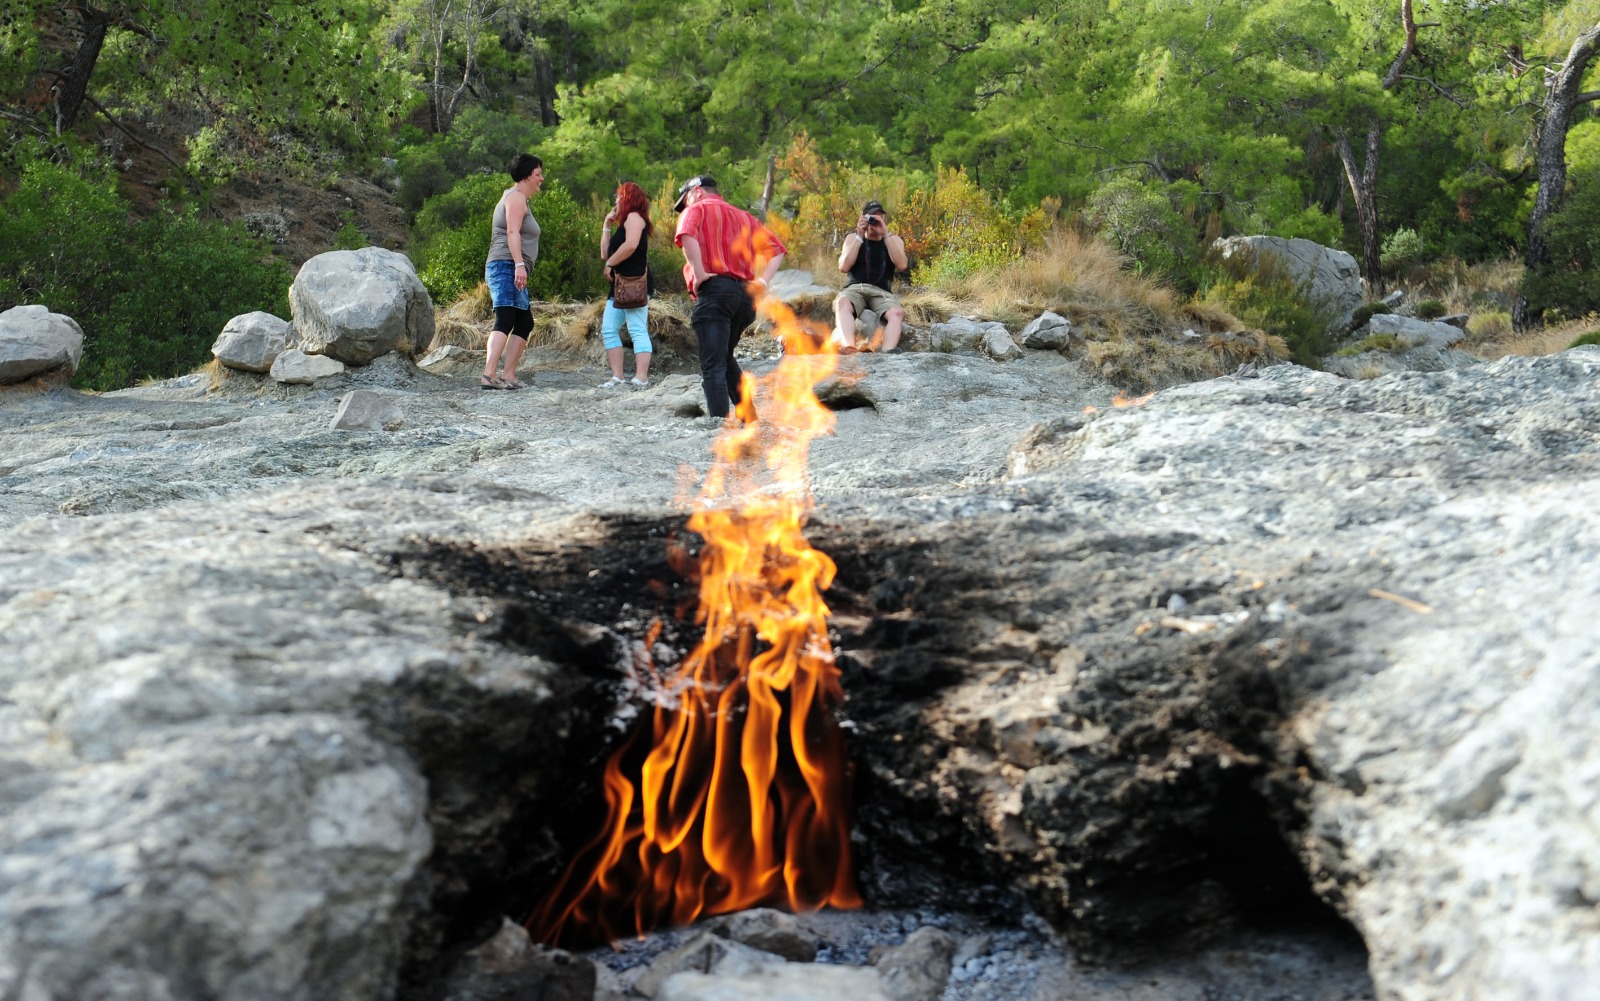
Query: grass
[
  {"x": 1372, "y": 342},
  {"x": 1532, "y": 343}
]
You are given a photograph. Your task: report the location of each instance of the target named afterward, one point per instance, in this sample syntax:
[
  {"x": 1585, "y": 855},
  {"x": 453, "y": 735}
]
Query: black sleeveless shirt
[
  {"x": 873, "y": 265},
  {"x": 638, "y": 261}
]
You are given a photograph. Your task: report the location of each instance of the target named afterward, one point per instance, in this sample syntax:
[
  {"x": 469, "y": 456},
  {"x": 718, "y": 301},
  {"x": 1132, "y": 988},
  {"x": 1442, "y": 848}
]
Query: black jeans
[{"x": 722, "y": 312}]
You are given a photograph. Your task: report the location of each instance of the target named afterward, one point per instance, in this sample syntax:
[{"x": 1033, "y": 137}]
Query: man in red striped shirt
[{"x": 727, "y": 252}]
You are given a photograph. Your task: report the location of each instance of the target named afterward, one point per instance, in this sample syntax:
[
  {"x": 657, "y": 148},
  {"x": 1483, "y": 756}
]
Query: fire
[
  {"x": 741, "y": 797},
  {"x": 1124, "y": 400}
]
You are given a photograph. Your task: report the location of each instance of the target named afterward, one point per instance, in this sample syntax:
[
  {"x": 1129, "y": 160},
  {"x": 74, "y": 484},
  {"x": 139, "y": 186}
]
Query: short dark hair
[{"x": 523, "y": 165}]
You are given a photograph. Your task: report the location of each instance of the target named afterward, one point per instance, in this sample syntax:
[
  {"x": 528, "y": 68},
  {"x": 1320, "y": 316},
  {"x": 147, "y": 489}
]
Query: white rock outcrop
[
  {"x": 1332, "y": 277},
  {"x": 298, "y": 368},
  {"x": 251, "y": 342},
  {"x": 34, "y": 341},
  {"x": 355, "y": 305}
]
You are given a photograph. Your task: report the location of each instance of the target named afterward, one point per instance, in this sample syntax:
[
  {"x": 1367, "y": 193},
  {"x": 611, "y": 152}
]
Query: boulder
[
  {"x": 298, "y": 368},
  {"x": 1331, "y": 277},
  {"x": 794, "y": 287},
  {"x": 768, "y": 930},
  {"x": 997, "y": 344},
  {"x": 961, "y": 334},
  {"x": 918, "y": 968},
  {"x": 364, "y": 410},
  {"x": 1414, "y": 333},
  {"x": 510, "y": 967},
  {"x": 1048, "y": 332},
  {"x": 252, "y": 342},
  {"x": 448, "y": 358},
  {"x": 354, "y": 305},
  {"x": 34, "y": 340},
  {"x": 1456, "y": 319},
  {"x": 791, "y": 982}
]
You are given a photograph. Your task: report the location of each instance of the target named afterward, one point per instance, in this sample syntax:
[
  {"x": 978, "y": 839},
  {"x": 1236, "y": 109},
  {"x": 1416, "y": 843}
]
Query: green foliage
[
  {"x": 955, "y": 264},
  {"x": 1568, "y": 285},
  {"x": 150, "y": 295},
  {"x": 1430, "y": 309},
  {"x": 1401, "y": 249},
  {"x": 1367, "y": 311},
  {"x": 453, "y": 231},
  {"x": 349, "y": 235},
  {"x": 1372, "y": 342},
  {"x": 1142, "y": 223},
  {"x": 1592, "y": 337},
  {"x": 480, "y": 141},
  {"x": 1262, "y": 294}
]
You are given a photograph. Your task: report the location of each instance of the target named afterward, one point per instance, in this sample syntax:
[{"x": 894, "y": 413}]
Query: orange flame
[
  {"x": 742, "y": 798},
  {"x": 1124, "y": 400}
]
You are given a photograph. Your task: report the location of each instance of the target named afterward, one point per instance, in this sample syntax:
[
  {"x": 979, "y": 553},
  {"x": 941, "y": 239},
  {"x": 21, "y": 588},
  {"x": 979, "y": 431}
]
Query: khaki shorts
[{"x": 864, "y": 297}]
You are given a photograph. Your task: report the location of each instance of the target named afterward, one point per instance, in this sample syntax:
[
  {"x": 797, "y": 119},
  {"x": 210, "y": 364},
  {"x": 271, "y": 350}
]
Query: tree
[
  {"x": 1563, "y": 94},
  {"x": 443, "y": 25}
]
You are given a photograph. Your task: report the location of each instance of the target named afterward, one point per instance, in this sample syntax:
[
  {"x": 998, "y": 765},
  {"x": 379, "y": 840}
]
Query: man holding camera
[{"x": 871, "y": 256}]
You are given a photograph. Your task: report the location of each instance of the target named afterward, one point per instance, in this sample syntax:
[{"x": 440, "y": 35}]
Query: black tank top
[
  {"x": 638, "y": 262},
  {"x": 873, "y": 265}
]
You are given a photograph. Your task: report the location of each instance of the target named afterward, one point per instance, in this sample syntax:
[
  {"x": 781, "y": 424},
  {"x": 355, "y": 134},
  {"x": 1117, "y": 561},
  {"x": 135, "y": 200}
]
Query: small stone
[
  {"x": 770, "y": 931},
  {"x": 251, "y": 342},
  {"x": 1048, "y": 332},
  {"x": 917, "y": 969},
  {"x": 364, "y": 410},
  {"x": 706, "y": 953}
]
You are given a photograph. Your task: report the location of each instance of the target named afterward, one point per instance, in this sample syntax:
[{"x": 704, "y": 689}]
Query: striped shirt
[{"x": 732, "y": 241}]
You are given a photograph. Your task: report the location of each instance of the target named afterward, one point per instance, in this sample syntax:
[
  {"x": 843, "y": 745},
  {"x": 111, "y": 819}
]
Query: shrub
[
  {"x": 150, "y": 295},
  {"x": 1430, "y": 309},
  {"x": 1592, "y": 337},
  {"x": 1142, "y": 223},
  {"x": 1567, "y": 285},
  {"x": 1372, "y": 342},
  {"x": 1261, "y": 293},
  {"x": 1365, "y": 312},
  {"x": 480, "y": 141},
  {"x": 1495, "y": 323},
  {"x": 1401, "y": 249}
]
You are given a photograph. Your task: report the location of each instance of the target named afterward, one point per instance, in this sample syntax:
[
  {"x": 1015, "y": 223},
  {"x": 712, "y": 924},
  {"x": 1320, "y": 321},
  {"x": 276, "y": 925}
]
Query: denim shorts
[{"x": 501, "y": 277}]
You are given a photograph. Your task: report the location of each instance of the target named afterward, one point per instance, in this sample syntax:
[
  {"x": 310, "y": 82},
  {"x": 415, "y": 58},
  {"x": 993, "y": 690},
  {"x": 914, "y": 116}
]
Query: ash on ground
[{"x": 993, "y": 962}]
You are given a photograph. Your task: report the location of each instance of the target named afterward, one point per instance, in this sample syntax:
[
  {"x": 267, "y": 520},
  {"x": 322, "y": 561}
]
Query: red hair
[{"x": 631, "y": 198}]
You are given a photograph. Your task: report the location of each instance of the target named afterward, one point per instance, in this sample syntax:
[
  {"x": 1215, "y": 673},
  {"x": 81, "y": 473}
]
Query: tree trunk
[
  {"x": 76, "y": 85},
  {"x": 1364, "y": 190},
  {"x": 766, "y": 188},
  {"x": 544, "y": 82},
  {"x": 1562, "y": 96}
]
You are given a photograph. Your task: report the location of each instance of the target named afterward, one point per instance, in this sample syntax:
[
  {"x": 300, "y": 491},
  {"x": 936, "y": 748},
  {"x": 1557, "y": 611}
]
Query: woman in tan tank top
[{"x": 513, "y": 249}]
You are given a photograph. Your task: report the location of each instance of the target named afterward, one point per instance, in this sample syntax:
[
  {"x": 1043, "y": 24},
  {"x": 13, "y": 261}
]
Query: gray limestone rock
[
  {"x": 1332, "y": 277},
  {"x": 918, "y": 968},
  {"x": 795, "y": 287},
  {"x": 1414, "y": 333},
  {"x": 1047, "y": 332},
  {"x": 708, "y": 954},
  {"x": 997, "y": 344},
  {"x": 448, "y": 358},
  {"x": 510, "y": 967},
  {"x": 355, "y": 305},
  {"x": 768, "y": 930},
  {"x": 961, "y": 335},
  {"x": 364, "y": 410},
  {"x": 793, "y": 982},
  {"x": 298, "y": 368},
  {"x": 252, "y": 342},
  {"x": 34, "y": 340}
]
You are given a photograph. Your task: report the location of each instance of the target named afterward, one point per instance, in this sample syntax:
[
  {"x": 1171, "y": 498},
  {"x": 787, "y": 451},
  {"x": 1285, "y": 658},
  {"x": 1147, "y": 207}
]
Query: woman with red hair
[{"x": 624, "y": 248}]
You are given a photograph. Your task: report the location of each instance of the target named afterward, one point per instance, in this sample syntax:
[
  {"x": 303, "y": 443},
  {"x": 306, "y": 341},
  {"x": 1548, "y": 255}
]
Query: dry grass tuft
[
  {"x": 1209, "y": 316},
  {"x": 1142, "y": 364},
  {"x": 464, "y": 323},
  {"x": 1533, "y": 343}
]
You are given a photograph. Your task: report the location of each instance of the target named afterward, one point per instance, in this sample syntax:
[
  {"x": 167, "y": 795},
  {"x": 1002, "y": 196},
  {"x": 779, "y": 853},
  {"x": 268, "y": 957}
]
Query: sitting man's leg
[
  {"x": 846, "y": 308},
  {"x": 894, "y": 319}
]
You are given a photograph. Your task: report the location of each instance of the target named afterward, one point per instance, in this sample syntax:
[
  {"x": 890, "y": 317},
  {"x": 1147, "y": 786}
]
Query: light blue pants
[{"x": 638, "y": 327}]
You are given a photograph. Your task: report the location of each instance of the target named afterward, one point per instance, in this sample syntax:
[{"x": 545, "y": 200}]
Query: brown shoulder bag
[{"x": 630, "y": 291}]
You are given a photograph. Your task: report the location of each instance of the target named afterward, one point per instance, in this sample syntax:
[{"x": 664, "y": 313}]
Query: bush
[
  {"x": 1486, "y": 325},
  {"x": 453, "y": 232},
  {"x": 479, "y": 142},
  {"x": 1569, "y": 285},
  {"x": 151, "y": 295},
  {"x": 1401, "y": 249},
  {"x": 1592, "y": 337},
  {"x": 1261, "y": 293},
  {"x": 1142, "y": 223},
  {"x": 1365, "y": 312},
  {"x": 1430, "y": 309}
]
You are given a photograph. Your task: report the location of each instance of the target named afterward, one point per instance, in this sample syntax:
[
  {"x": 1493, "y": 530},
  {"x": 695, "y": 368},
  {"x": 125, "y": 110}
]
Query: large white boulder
[
  {"x": 252, "y": 342},
  {"x": 34, "y": 340},
  {"x": 355, "y": 305},
  {"x": 1330, "y": 276}
]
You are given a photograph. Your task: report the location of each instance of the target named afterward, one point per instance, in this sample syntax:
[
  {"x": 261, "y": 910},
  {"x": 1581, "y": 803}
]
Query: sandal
[
  {"x": 641, "y": 383},
  {"x": 610, "y": 383},
  {"x": 489, "y": 382},
  {"x": 513, "y": 384}
]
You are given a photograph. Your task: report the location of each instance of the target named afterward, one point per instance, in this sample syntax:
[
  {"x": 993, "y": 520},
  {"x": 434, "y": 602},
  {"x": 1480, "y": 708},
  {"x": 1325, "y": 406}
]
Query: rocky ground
[{"x": 288, "y": 710}]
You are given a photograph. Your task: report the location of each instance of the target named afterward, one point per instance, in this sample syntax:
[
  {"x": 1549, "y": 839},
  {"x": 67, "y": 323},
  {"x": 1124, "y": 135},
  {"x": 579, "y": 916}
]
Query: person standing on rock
[
  {"x": 871, "y": 257},
  {"x": 727, "y": 253},
  {"x": 513, "y": 249},
  {"x": 624, "y": 249}
]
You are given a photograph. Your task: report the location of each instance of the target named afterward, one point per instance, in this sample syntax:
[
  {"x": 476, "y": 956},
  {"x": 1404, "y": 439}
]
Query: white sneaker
[
  {"x": 641, "y": 383},
  {"x": 609, "y": 383}
]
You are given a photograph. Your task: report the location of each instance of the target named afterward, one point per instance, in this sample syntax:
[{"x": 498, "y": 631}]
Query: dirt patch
[{"x": 301, "y": 220}]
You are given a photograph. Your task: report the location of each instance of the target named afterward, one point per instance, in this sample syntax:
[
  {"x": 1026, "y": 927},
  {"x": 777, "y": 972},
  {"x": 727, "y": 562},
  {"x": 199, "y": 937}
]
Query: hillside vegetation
[{"x": 1101, "y": 146}]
